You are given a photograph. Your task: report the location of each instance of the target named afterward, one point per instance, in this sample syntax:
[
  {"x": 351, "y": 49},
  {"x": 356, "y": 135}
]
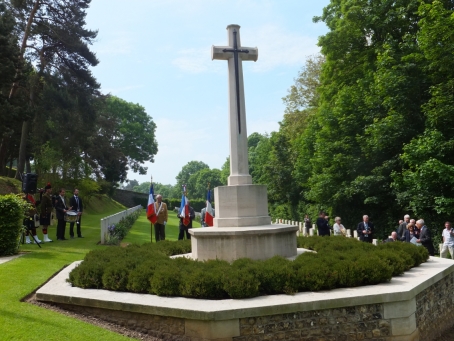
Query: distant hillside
[
  {"x": 98, "y": 203},
  {"x": 9, "y": 185}
]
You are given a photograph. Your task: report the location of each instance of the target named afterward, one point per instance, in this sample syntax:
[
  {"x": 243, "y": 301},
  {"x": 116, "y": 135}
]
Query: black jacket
[
  {"x": 60, "y": 207},
  {"x": 426, "y": 240},
  {"x": 360, "y": 230},
  {"x": 78, "y": 207},
  {"x": 323, "y": 227}
]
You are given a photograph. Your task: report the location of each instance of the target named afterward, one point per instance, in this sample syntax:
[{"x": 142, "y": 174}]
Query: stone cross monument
[
  {"x": 242, "y": 226},
  {"x": 235, "y": 54}
]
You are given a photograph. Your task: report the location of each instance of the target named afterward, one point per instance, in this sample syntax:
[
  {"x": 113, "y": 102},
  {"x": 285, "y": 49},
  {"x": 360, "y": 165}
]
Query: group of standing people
[
  {"x": 162, "y": 217},
  {"x": 410, "y": 230},
  {"x": 365, "y": 228},
  {"x": 44, "y": 208}
]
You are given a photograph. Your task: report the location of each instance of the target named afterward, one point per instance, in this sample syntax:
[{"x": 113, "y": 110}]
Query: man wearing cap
[{"x": 46, "y": 210}]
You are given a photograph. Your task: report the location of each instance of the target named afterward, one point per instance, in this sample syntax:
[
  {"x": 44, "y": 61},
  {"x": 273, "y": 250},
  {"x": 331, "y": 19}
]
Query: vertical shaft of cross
[{"x": 235, "y": 54}]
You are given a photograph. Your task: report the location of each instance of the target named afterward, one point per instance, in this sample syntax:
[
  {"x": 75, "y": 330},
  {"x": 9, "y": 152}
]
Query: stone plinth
[
  {"x": 230, "y": 243},
  {"x": 241, "y": 206},
  {"x": 416, "y": 305}
]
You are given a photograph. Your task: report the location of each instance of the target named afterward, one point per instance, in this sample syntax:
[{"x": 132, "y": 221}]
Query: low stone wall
[
  {"x": 415, "y": 306},
  {"x": 130, "y": 198},
  {"x": 364, "y": 322},
  {"x": 435, "y": 309}
]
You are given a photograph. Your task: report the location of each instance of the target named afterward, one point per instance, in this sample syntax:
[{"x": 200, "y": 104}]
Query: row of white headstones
[{"x": 313, "y": 231}]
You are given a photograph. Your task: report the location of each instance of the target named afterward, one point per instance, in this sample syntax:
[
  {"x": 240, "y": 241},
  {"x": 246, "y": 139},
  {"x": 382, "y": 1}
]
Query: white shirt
[
  {"x": 337, "y": 229},
  {"x": 448, "y": 238}
]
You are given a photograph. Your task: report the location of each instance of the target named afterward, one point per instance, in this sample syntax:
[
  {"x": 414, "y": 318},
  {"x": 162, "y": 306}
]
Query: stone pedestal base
[
  {"x": 238, "y": 206},
  {"x": 230, "y": 243}
]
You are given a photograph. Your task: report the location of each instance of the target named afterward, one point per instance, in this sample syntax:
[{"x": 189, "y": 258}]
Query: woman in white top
[{"x": 338, "y": 227}]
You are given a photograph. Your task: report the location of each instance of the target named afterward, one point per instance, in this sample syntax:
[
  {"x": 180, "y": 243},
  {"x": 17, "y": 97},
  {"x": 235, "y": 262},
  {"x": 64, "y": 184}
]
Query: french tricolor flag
[
  {"x": 151, "y": 209},
  {"x": 209, "y": 214},
  {"x": 184, "y": 208}
]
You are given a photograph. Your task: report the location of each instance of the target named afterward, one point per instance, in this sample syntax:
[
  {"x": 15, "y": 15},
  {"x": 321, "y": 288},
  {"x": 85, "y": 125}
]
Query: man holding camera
[
  {"x": 365, "y": 230},
  {"x": 448, "y": 241}
]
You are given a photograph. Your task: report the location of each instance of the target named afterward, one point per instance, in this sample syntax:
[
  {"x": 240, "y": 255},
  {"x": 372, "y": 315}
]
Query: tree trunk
[
  {"x": 10, "y": 170},
  {"x": 28, "y": 167},
  {"x": 15, "y": 86},
  {"x": 22, "y": 150}
]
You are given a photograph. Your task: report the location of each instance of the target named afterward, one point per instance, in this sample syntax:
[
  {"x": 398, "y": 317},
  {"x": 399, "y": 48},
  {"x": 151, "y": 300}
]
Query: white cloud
[
  {"x": 181, "y": 141},
  {"x": 196, "y": 60},
  {"x": 278, "y": 47}
]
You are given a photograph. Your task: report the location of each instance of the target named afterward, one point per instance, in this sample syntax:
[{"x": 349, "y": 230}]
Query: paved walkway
[{"x": 8, "y": 258}]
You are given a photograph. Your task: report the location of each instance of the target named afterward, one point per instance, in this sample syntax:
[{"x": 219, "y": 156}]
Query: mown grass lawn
[{"x": 20, "y": 277}]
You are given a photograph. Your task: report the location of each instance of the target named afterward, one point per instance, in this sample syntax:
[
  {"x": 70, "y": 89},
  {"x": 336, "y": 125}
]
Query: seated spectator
[{"x": 393, "y": 238}]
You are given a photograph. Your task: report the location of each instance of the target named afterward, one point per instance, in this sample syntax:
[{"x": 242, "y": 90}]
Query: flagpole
[
  {"x": 151, "y": 184},
  {"x": 184, "y": 193}
]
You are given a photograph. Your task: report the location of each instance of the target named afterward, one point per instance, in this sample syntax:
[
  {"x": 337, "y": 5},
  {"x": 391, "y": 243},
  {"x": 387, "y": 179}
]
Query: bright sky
[{"x": 158, "y": 53}]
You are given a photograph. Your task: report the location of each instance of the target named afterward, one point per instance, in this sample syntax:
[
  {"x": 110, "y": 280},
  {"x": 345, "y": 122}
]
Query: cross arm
[{"x": 217, "y": 52}]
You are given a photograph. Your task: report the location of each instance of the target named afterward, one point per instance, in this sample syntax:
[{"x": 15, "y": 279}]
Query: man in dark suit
[
  {"x": 61, "y": 208},
  {"x": 76, "y": 204},
  {"x": 365, "y": 230},
  {"x": 184, "y": 228},
  {"x": 425, "y": 237},
  {"x": 322, "y": 224}
]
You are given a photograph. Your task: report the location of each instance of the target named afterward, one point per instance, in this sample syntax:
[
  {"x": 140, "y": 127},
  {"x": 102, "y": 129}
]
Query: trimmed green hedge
[
  {"x": 116, "y": 232},
  {"x": 338, "y": 262},
  {"x": 12, "y": 209}
]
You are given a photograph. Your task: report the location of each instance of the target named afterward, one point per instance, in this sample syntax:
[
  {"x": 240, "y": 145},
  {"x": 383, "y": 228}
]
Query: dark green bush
[
  {"x": 139, "y": 278},
  {"x": 12, "y": 209},
  {"x": 241, "y": 283},
  {"x": 166, "y": 281},
  {"x": 337, "y": 262},
  {"x": 276, "y": 275},
  {"x": 204, "y": 283},
  {"x": 87, "y": 275},
  {"x": 116, "y": 276}
]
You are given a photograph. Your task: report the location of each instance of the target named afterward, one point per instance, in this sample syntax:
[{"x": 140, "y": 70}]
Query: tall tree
[
  {"x": 134, "y": 134},
  {"x": 54, "y": 39},
  {"x": 189, "y": 169}
]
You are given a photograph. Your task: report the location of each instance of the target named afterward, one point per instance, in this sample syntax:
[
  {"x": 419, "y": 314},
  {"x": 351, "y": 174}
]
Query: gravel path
[{"x": 95, "y": 321}]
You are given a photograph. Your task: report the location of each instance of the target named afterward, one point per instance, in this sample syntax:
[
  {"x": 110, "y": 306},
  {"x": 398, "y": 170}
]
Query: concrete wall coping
[{"x": 401, "y": 288}]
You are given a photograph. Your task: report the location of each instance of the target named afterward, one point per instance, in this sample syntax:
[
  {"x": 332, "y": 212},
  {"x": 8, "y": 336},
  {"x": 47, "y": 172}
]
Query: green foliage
[
  {"x": 183, "y": 176},
  {"x": 116, "y": 232},
  {"x": 134, "y": 134},
  {"x": 368, "y": 125},
  {"x": 198, "y": 182},
  {"x": 338, "y": 262},
  {"x": 12, "y": 210}
]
